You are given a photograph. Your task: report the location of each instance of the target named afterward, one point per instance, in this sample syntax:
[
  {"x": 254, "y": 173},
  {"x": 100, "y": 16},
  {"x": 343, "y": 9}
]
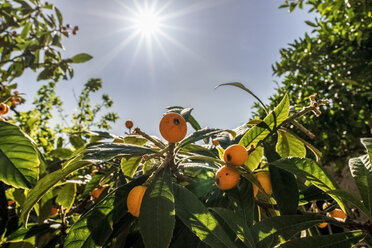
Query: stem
[
  {"x": 148, "y": 137},
  {"x": 168, "y": 159},
  {"x": 303, "y": 129}
]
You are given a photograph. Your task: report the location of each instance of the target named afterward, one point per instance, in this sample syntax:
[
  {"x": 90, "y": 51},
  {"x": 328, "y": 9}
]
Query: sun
[{"x": 147, "y": 22}]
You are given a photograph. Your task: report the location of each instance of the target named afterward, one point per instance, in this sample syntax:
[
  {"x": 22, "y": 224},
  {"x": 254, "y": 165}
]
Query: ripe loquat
[
  {"x": 264, "y": 178},
  {"x": 235, "y": 154},
  {"x": 134, "y": 200},
  {"x": 226, "y": 178},
  {"x": 173, "y": 127}
]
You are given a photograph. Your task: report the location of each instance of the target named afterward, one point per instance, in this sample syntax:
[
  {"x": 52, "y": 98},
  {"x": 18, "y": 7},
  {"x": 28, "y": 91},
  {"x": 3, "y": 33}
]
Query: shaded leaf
[
  {"x": 19, "y": 159},
  {"x": 198, "y": 219},
  {"x": 66, "y": 196},
  {"x": 157, "y": 210},
  {"x": 129, "y": 166},
  {"x": 199, "y": 135},
  {"x": 289, "y": 146}
]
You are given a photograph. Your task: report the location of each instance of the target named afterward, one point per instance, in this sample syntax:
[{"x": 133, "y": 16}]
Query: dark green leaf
[
  {"x": 285, "y": 190},
  {"x": 311, "y": 171},
  {"x": 59, "y": 16},
  {"x": 129, "y": 166},
  {"x": 157, "y": 210},
  {"x": 3, "y": 209},
  {"x": 66, "y": 196},
  {"x": 198, "y": 219},
  {"x": 339, "y": 240},
  {"x": 32, "y": 230},
  {"x": 199, "y": 135},
  {"x": 271, "y": 229},
  {"x": 367, "y": 142}
]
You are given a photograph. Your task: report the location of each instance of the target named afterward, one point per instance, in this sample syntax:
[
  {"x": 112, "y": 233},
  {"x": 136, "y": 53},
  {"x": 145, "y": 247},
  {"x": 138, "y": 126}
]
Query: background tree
[{"x": 333, "y": 61}]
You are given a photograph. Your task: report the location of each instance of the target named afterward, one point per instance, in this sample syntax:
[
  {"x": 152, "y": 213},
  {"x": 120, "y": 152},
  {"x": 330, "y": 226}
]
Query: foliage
[
  {"x": 334, "y": 62},
  {"x": 181, "y": 205}
]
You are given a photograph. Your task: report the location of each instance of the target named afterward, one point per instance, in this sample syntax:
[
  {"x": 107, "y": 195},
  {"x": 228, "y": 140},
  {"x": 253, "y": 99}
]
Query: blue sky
[{"x": 204, "y": 43}]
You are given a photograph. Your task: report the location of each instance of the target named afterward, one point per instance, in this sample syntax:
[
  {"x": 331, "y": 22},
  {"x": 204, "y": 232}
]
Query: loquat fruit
[
  {"x": 98, "y": 191},
  {"x": 173, "y": 127},
  {"x": 264, "y": 178},
  {"x": 235, "y": 154},
  {"x": 134, "y": 200},
  {"x": 226, "y": 178},
  {"x": 129, "y": 124},
  {"x": 4, "y": 109}
]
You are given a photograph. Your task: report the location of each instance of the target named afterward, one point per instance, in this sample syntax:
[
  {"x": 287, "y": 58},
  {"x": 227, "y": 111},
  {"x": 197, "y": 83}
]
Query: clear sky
[{"x": 198, "y": 45}]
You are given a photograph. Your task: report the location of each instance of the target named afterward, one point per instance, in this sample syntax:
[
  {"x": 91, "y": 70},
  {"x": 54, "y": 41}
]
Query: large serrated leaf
[
  {"x": 157, "y": 215},
  {"x": 257, "y": 133},
  {"x": 129, "y": 166},
  {"x": 45, "y": 184},
  {"x": 308, "y": 169},
  {"x": 95, "y": 227},
  {"x": 19, "y": 159},
  {"x": 361, "y": 171},
  {"x": 237, "y": 224},
  {"x": 285, "y": 190},
  {"x": 66, "y": 196},
  {"x": 107, "y": 151},
  {"x": 289, "y": 146},
  {"x": 255, "y": 158},
  {"x": 339, "y": 240},
  {"x": 199, "y": 135},
  {"x": 198, "y": 219},
  {"x": 367, "y": 142},
  {"x": 269, "y": 231}
]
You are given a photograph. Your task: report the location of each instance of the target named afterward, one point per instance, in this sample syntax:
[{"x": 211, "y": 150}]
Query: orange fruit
[
  {"x": 98, "y": 191},
  {"x": 3, "y": 108},
  {"x": 173, "y": 127},
  {"x": 215, "y": 142},
  {"x": 134, "y": 200},
  {"x": 10, "y": 203},
  {"x": 338, "y": 214},
  {"x": 129, "y": 124},
  {"x": 53, "y": 211},
  {"x": 323, "y": 225},
  {"x": 1, "y": 119},
  {"x": 235, "y": 154},
  {"x": 264, "y": 178},
  {"x": 226, "y": 178}
]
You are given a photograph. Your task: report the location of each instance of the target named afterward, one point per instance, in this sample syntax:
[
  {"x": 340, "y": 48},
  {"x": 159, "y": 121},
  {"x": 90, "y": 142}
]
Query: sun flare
[{"x": 147, "y": 22}]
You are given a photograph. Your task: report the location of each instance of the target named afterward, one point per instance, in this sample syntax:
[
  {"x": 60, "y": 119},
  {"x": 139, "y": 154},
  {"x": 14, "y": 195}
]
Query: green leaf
[
  {"x": 257, "y": 133},
  {"x": 32, "y": 230},
  {"x": 270, "y": 230},
  {"x": 255, "y": 158},
  {"x": 108, "y": 151},
  {"x": 26, "y": 30},
  {"x": 135, "y": 140},
  {"x": 96, "y": 178},
  {"x": 81, "y": 58},
  {"x": 157, "y": 210},
  {"x": 311, "y": 171},
  {"x": 289, "y": 146},
  {"x": 199, "y": 135},
  {"x": 367, "y": 142},
  {"x": 361, "y": 171},
  {"x": 45, "y": 184},
  {"x": 66, "y": 196},
  {"x": 198, "y": 219},
  {"x": 59, "y": 16},
  {"x": 285, "y": 190},
  {"x": 95, "y": 227},
  {"x": 237, "y": 225},
  {"x": 339, "y": 240},
  {"x": 129, "y": 166},
  {"x": 348, "y": 197},
  {"x": 19, "y": 159}
]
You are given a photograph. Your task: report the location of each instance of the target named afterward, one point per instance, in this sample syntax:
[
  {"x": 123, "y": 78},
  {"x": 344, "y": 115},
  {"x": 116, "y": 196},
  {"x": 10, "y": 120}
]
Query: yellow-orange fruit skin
[
  {"x": 264, "y": 178},
  {"x": 323, "y": 225},
  {"x": 227, "y": 178},
  {"x": 4, "y": 109},
  {"x": 235, "y": 154},
  {"x": 215, "y": 142},
  {"x": 53, "y": 211},
  {"x": 338, "y": 214},
  {"x": 173, "y": 127},
  {"x": 129, "y": 124},
  {"x": 134, "y": 200},
  {"x": 98, "y": 191}
]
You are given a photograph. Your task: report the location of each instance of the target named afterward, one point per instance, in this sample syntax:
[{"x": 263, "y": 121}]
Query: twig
[
  {"x": 303, "y": 129},
  {"x": 148, "y": 137}
]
